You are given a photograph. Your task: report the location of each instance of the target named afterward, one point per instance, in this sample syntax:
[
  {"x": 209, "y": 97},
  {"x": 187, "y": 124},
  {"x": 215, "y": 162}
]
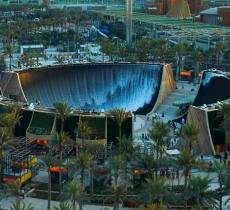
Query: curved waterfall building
[
  {"x": 214, "y": 90},
  {"x": 95, "y": 87},
  {"x": 90, "y": 89}
]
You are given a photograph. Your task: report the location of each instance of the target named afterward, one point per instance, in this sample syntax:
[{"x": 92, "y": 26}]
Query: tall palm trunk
[
  {"x": 115, "y": 178},
  {"x": 116, "y": 202},
  {"x": 82, "y": 177},
  {"x": 60, "y": 172},
  {"x": 91, "y": 178},
  {"x": 62, "y": 125},
  {"x": 49, "y": 190},
  {"x": 221, "y": 193},
  {"x": 1, "y": 165},
  {"x": 126, "y": 170},
  {"x": 186, "y": 174},
  {"x": 74, "y": 205},
  {"x": 190, "y": 146},
  {"x": 196, "y": 71},
  {"x": 80, "y": 203},
  {"x": 157, "y": 158},
  {"x": 119, "y": 133},
  {"x": 10, "y": 62}
]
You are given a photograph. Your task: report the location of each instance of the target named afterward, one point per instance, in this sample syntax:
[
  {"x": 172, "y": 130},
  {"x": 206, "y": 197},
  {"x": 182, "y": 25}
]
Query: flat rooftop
[{"x": 172, "y": 23}]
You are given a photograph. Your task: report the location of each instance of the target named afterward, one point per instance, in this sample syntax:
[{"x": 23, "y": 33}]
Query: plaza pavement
[{"x": 40, "y": 204}]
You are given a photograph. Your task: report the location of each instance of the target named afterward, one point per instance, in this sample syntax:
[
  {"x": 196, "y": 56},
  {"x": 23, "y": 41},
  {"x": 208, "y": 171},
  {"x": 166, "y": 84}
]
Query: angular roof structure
[{"x": 180, "y": 10}]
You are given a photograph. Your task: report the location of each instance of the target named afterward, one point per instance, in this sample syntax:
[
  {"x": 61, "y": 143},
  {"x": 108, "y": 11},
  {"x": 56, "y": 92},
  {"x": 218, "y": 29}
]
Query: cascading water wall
[
  {"x": 95, "y": 87},
  {"x": 215, "y": 86}
]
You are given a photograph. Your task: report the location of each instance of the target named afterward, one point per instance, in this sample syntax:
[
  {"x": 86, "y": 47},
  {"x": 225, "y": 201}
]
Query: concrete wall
[
  {"x": 199, "y": 118},
  {"x": 11, "y": 86},
  {"x": 168, "y": 84}
]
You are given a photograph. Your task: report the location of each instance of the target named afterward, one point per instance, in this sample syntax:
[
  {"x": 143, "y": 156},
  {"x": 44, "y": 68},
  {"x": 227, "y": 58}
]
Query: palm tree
[
  {"x": 63, "y": 206},
  {"x": 117, "y": 192},
  {"x": 2, "y": 63},
  {"x": 186, "y": 160},
  {"x": 155, "y": 191},
  {"x": 224, "y": 112},
  {"x": 220, "y": 169},
  {"x": 199, "y": 193},
  {"x": 153, "y": 206},
  {"x": 226, "y": 184},
  {"x": 126, "y": 150},
  {"x": 142, "y": 49},
  {"x": 82, "y": 162},
  {"x": 197, "y": 57},
  {"x": 9, "y": 51},
  {"x": 63, "y": 140},
  {"x": 63, "y": 110},
  {"x": 93, "y": 148},
  {"x": 84, "y": 130},
  {"x": 36, "y": 54},
  {"x": 190, "y": 133},
  {"x": 107, "y": 47},
  {"x": 181, "y": 50},
  {"x": 219, "y": 50},
  {"x": 4, "y": 140},
  {"x": 224, "y": 109},
  {"x": 119, "y": 115},
  {"x": 116, "y": 164},
  {"x": 15, "y": 189},
  {"x": 11, "y": 118},
  {"x": 158, "y": 134},
  {"x": 60, "y": 59},
  {"x": 25, "y": 58},
  {"x": 160, "y": 50},
  {"x": 147, "y": 162},
  {"x": 73, "y": 192},
  {"x": 48, "y": 160},
  {"x": 19, "y": 205}
]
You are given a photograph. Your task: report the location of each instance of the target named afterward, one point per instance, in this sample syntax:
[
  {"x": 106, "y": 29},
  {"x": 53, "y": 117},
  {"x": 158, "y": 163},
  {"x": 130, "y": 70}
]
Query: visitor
[
  {"x": 177, "y": 174},
  {"x": 168, "y": 174},
  {"x": 201, "y": 157},
  {"x": 37, "y": 102},
  {"x": 225, "y": 157},
  {"x": 163, "y": 115},
  {"x": 23, "y": 193},
  {"x": 173, "y": 174},
  {"x": 228, "y": 147}
]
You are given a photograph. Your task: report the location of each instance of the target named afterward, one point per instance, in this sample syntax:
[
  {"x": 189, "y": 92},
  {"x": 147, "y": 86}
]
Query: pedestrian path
[
  {"x": 40, "y": 204},
  {"x": 183, "y": 91}
]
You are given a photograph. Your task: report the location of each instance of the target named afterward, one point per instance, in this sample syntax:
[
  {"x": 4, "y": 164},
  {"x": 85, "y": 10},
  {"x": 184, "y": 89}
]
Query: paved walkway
[
  {"x": 182, "y": 92},
  {"x": 40, "y": 204},
  {"x": 142, "y": 123}
]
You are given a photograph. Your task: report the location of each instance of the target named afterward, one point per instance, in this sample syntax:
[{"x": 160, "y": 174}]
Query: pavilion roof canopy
[{"x": 172, "y": 24}]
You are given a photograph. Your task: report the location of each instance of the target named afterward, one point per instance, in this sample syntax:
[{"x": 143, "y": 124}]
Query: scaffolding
[{"x": 18, "y": 163}]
